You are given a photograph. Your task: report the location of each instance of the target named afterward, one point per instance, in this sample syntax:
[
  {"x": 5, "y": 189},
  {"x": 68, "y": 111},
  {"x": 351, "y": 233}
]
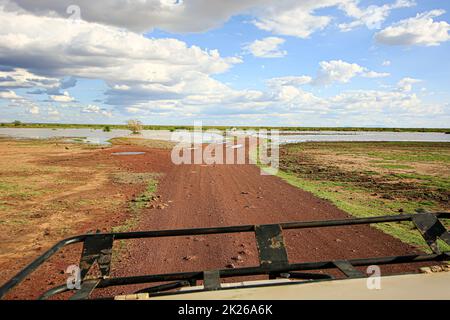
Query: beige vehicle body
[{"x": 423, "y": 286}]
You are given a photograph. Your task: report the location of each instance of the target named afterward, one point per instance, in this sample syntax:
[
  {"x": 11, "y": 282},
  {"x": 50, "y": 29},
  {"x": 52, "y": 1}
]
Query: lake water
[
  {"x": 97, "y": 136},
  {"x": 362, "y": 136}
]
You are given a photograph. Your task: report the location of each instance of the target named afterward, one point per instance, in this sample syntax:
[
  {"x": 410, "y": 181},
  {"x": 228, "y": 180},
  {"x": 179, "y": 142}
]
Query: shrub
[{"x": 135, "y": 126}]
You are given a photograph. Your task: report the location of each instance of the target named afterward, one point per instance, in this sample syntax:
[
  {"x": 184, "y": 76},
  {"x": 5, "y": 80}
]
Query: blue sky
[{"x": 294, "y": 63}]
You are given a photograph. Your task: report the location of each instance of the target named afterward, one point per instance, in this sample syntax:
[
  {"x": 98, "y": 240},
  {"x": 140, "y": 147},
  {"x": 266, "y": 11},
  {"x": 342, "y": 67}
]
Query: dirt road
[
  {"x": 226, "y": 195},
  {"x": 199, "y": 196}
]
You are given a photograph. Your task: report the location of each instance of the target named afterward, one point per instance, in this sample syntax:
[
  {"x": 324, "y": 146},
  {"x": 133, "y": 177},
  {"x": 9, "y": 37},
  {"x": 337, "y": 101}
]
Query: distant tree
[
  {"x": 135, "y": 126},
  {"x": 17, "y": 123},
  {"x": 106, "y": 128}
]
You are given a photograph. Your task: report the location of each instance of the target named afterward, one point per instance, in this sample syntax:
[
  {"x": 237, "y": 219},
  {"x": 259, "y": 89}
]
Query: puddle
[{"x": 130, "y": 153}]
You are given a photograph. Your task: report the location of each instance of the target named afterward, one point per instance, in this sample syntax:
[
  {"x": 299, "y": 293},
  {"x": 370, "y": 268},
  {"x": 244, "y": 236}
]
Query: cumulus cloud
[
  {"x": 34, "y": 110},
  {"x": 338, "y": 71},
  {"x": 140, "y": 16},
  {"x": 45, "y": 53},
  {"x": 420, "y": 30},
  {"x": 22, "y": 78},
  {"x": 63, "y": 98},
  {"x": 289, "y": 81},
  {"x": 97, "y": 110},
  {"x": 266, "y": 48},
  {"x": 333, "y": 71},
  {"x": 406, "y": 84},
  {"x": 148, "y": 68},
  {"x": 8, "y": 95},
  {"x": 296, "y": 20},
  {"x": 285, "y": 17},
  {"x": 372, "y": 16},
  {"x": 374, "y": 74}
]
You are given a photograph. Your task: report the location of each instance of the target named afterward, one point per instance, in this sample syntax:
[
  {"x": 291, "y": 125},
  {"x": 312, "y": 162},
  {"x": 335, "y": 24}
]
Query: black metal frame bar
[{"x": 97, "y": 249}]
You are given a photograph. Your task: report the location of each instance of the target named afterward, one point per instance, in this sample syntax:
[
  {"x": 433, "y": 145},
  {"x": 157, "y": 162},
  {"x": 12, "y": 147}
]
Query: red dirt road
[
  {"x": 207, "y": 196},
  {"x": 227, "y": 195}
]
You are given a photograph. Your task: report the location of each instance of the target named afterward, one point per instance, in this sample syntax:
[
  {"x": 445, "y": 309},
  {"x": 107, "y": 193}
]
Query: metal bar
[
  {"x": 86, "y": 289},
  {"x": 164, "y": 287},
  {"x": 97, "y": 248},
  {"x": 251, "y": 228},
  {"x": 181, "y": 232},
  {"x": 53, "y": 291},
  {"x": 211, "y": 280},
  {"x": 270, "y": 244},
  {"x": 309, "y": 276},
  {"x": 348, "y": 269},
  {"x": 19, "y": 277},
  {"x": 431, "y": 229},
  {"x": 251, "y": 271}
]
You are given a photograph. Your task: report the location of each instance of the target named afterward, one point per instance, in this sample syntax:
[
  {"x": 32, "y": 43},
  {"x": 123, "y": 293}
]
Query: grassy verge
[
  {"x": 149, "y": 143},
  {"x": 373, "y": 179},
  {"x": 136, "y": 205}
]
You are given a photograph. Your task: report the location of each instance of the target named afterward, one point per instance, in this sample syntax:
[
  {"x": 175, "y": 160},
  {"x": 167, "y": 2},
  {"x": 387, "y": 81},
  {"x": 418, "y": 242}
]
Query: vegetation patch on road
[
  {"x": 371, "y": 179},
  {"x": 141, "y": 201},
  {"x": 149, "y": 143}
]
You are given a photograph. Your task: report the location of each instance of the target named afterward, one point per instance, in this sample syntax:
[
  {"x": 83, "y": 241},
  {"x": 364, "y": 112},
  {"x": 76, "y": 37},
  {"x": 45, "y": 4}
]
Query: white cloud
[
  {"x": 267, "y": 48},
  {"x": 386, "y": 63},
  {"x": 372, "y": 16},
  {"x": 333, "y": 71},
  {"x": 420, "y": 30},
  {"x": 160, "y": 78},
  {"x": 373, "y": 74},
  {"x": 53, "y": 112},
  {"x": 297, "y": 18},
  {"x": 22, "y": 78},
  {"x": 133, "y": 110},
  {"x": 405, "y": 84},
  {"x": 383, "y": 102},
  {"x": 34, "y": 110},
  {"x": 338, "y": 71},
  {"x": 9, "y": 95},
  {"x": 64, "y": 98},
  {"x": 147, "y": 68},
  {"x": 96, "y": 110},
  {"x": 289, "y": 81},
  {"x": 140, "y": 15}
]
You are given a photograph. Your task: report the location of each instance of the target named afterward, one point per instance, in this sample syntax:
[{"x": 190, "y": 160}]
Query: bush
[
  {"x": 135, "y": 126},
  {"x": 106, "y": 129}
]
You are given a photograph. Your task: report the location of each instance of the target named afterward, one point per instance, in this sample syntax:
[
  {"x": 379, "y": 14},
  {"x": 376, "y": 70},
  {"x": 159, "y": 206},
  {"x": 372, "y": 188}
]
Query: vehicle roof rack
[{"x": 273, "y": 258}]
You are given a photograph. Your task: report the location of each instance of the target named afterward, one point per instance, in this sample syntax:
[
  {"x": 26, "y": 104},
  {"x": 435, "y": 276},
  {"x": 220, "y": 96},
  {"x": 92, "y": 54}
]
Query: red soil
[{"x": 225, "y": 195}]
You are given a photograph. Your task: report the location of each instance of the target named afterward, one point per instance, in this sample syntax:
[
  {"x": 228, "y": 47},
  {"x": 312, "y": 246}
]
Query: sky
[{"x": 248, "y": 62}]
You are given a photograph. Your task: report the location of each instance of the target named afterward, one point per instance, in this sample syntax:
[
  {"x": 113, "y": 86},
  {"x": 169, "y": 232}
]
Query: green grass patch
[
  {"x": 136, "y": 205},
  {"x": 361, "y": 206},
  {"x": 394, "y": 166},
  {"x": 144, "y": 199},
  {"x": 364, "y": 191}
]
